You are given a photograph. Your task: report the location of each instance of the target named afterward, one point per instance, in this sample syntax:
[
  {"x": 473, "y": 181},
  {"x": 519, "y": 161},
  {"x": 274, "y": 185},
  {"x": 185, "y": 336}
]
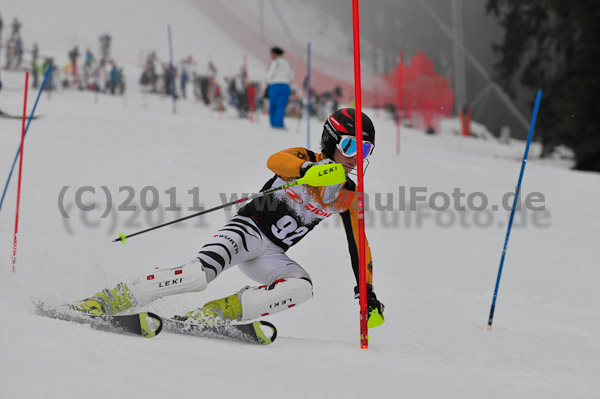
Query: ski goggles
[{"x": 347, "y": 147}]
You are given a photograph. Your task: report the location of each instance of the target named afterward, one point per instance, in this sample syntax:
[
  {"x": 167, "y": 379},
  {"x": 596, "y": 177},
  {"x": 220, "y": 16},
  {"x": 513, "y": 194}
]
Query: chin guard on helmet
[{"x": 353, "y": 172}]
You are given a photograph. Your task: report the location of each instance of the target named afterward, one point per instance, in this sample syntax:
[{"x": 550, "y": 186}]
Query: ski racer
[{"x": 257, "y": 237}]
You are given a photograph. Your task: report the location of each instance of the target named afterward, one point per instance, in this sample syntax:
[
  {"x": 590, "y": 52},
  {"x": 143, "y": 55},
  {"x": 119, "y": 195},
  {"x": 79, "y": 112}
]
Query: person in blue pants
[
  {"x": 279, "y": 93},
  {"x": 279, "y": 77}
]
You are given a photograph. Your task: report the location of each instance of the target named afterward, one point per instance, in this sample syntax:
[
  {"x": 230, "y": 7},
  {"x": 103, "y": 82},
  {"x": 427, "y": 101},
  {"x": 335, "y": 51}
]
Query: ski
[
  {"x": 143, "y": 324},
  {"x": 250, "y": 332}
]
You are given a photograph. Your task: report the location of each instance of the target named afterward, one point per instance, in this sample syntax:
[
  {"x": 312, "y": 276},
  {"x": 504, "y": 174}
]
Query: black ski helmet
[{"x": 341, "y": 123}]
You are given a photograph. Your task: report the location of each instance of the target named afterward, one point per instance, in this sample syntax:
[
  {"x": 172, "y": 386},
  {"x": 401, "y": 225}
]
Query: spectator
[
  {"x": 49, "y": 64},
  {"x": 279, "y": 77},
  {"x": 186, "y": 72},
  {"x": 35, "y": 67},
  {"x": 73, "y": 56},
  {"x": 105, "y": 47},
  {"x": 212, "y": 70},
  {"x": 113, "y": 82},
  {"x": 88, "y": 68},
  {"x": 16, "y": 27}
]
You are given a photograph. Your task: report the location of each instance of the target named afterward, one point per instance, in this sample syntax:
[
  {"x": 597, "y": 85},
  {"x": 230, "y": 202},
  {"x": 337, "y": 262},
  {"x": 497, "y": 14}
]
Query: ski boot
[
  {"x": 219, "y": 311},
  {"x": 107, "y": 302}
]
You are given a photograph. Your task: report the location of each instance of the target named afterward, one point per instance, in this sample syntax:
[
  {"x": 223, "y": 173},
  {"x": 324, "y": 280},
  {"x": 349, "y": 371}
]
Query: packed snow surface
[{"x": 434, "y": 270}]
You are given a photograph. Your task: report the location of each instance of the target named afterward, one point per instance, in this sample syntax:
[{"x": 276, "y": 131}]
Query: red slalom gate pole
[
  {"x": 399, "y": 106},
  {"x": 250, "y": 103},
  {"x": 364, "y": 332},
  {"x": 14, "y": 257}
]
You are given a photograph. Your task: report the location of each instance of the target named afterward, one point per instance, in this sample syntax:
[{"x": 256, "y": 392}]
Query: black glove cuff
[
  {"x": 357, "y": 291},
  {"x": 305, "y": 166}
]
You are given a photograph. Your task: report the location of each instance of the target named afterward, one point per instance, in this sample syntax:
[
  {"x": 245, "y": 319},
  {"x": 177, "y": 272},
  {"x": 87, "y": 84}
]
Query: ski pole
[
  {"x": 317, "y": 176},
  {"x": 512, "y": 212},
  {"x": 26, "y": 129}
]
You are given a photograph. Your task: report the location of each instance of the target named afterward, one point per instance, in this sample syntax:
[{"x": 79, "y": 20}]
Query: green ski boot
[
  {"x": 219, "y": 311},
  {"x": 107, "y": 302}
]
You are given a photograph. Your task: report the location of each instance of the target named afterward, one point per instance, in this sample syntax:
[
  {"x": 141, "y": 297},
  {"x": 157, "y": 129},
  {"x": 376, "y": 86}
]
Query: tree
[{"x": 553, "y": 45}]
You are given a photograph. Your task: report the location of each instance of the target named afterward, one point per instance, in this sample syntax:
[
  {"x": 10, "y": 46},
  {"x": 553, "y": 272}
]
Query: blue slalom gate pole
[
  {"x": 512, "y": 212},
  {"x": 308, "y": 96},
  {"x": 26, "y": 129},
  {"x": 172, "y": 70}
]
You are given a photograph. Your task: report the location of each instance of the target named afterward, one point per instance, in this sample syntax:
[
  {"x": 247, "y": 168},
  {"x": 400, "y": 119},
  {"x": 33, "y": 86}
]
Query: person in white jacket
[{"x": 279, "y": 77}]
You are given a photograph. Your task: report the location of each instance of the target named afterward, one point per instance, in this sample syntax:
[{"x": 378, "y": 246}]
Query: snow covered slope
[{"x": 435, "y": 271}]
